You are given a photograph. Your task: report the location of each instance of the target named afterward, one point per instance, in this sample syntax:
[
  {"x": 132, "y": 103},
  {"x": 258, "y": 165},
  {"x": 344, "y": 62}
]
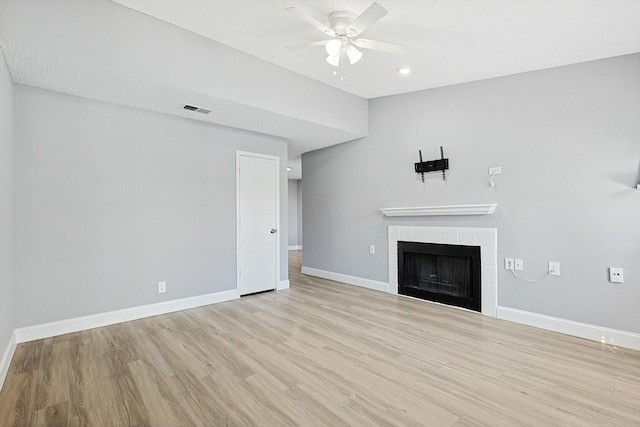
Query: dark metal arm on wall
[{"x": 441, "y": 164}]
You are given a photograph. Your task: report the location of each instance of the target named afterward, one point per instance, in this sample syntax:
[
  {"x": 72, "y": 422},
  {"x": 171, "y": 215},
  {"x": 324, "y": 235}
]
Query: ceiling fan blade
[
  {"x": 305, "y": 45},
  {"x": 311, "y": 21},
  {"x": 373, "y": 14},
  {"x": 396, "y": 49}
]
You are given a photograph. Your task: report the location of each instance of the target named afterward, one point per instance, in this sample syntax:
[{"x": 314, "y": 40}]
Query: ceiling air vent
[{"x": 196, "y": 109}]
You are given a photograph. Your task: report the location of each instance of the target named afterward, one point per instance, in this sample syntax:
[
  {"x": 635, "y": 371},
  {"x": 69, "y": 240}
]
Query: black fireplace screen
[
  {"x": 441, "y": 274},
  {"x": 449, "y": 274}
]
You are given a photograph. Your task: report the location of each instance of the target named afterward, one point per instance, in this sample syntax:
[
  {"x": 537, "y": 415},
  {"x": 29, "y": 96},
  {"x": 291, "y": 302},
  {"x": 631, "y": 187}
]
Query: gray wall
[
  {"x": 109, "y": 200},
  {"x": 299, "y": 212},
  {"x": 6, "y": 205},
  {"x": 568, "y": 141},
  {"x": 293, "y": 212}
]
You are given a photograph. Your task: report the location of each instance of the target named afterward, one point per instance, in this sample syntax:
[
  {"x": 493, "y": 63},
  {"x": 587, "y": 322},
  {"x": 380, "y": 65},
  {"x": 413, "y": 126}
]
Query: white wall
[
  {"x": 109, "y": 200},
  {"x": 7, "y": 324},
  {"x": 568, "y": 141}
]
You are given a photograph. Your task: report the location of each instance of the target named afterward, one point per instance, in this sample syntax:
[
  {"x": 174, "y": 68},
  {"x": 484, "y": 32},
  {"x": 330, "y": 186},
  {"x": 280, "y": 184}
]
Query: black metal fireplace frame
[{"x": 471, "y": 252}]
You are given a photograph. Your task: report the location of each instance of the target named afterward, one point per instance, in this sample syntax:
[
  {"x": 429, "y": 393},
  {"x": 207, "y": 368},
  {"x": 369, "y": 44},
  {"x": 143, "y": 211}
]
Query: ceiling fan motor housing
[{"x": 341, "y": 21}]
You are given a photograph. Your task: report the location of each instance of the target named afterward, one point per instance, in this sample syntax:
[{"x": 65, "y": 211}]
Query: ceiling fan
[{"x": 344, "y": 28}]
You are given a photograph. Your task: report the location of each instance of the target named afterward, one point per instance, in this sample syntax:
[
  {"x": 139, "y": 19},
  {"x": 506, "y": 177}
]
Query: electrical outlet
[
  {"x": 508, "y": 264},
  {"x": 616, "y": 275},
  {"x": 162, "y": 287},
  {"x": 495, "y": 171},
  {"x": 554, "y": 268},
  {"x": 519, "y": 264},
  {"x": 372, "y": 249}
]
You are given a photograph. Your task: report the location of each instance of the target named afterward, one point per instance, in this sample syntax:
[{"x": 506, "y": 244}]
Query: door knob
[{"x": 273, "y": 231}]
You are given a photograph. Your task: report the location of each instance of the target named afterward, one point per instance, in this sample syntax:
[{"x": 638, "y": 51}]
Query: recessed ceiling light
[
  {"x": 404, "y": 70},
  {"x": 289, "y": 169}
]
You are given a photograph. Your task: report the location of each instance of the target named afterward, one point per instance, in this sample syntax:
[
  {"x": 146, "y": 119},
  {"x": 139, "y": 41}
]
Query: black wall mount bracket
[{"x": 440, "y": 164}]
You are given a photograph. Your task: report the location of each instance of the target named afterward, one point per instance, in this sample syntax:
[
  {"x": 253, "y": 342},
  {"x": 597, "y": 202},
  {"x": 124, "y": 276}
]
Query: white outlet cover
[
  {"x": 616, "y": 275},
  {"x": 508, "y": 263},
  {"x": 162, "y": 287},
  {"x": 372, "y": 249},
  {"x": 495, "y": 171},
  {"x": 554, "y": 268}
]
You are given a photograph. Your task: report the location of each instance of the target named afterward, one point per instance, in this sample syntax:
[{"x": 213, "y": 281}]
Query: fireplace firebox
[{"x": 449, "y": 274}]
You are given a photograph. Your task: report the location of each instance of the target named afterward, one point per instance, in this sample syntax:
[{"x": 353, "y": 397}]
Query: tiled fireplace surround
[{"x": 486, "y": 238}]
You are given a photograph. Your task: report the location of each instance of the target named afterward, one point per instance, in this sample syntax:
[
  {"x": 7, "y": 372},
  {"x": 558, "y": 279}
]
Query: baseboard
[
  {"x": 5, "y": 362},
  {"x": 77, "y": 324},
  {"x": 282, "y": 284},
  {"x": 344, "y": 278},
  {"x": 295, "y": 248},
  {"x": 601, "y": 334}
]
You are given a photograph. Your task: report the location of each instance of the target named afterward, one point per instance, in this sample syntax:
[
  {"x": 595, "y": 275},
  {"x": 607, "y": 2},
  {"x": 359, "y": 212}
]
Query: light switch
[{"x": 554, "y": 268}]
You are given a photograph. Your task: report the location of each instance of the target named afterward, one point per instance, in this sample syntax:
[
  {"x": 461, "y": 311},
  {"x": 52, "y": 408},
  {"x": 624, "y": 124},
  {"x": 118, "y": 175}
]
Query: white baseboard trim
[
  {"x": 77, "y": 324},
  {"x": 282, "y": 284},
  {"x": 344, "y": 278},
  {"x": 7, "y": 355},
  {"x": 295, "y": 248},
  {"x": 601, "y": 334}
]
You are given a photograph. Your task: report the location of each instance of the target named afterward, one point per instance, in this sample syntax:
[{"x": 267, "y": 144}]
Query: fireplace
[
  {"x": 485, "y": 238},
  {"x": 449, "y": 274}
]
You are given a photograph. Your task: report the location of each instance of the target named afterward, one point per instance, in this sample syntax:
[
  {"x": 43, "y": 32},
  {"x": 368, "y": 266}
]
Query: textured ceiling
[
  {"x": 450, "y": 41},
  {"x": 60, "y": 74},
  {"x": 101, "y": 50},
  {"x": 124, "y": 55}
]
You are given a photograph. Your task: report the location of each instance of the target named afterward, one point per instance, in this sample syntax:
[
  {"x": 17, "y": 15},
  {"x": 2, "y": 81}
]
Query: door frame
[{"x": 239, "y": 154}]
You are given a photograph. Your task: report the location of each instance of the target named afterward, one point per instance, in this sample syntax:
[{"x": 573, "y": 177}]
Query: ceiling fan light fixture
[
  {"x": 334, "y": 60},
  {"x": 353, "y": 54},
  {"x": 344, "y": 27},
  {"x": 333, "y": 47}
]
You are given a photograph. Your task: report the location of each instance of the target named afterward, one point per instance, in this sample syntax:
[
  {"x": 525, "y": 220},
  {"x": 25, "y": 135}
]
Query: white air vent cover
[{"x": 196, "y": 109}]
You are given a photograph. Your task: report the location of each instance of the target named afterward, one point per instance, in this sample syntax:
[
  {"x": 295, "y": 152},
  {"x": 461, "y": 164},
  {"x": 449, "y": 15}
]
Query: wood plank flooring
[{"x": 320, "y": 354}]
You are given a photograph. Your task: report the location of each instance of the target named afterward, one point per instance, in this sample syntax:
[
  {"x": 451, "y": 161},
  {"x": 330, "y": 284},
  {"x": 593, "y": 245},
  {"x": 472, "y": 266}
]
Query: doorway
[{"x": 258, "y": 219}]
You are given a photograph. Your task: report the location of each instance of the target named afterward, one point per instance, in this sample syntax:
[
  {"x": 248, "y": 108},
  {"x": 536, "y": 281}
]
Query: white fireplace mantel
[{"x": 486, "y": 209}]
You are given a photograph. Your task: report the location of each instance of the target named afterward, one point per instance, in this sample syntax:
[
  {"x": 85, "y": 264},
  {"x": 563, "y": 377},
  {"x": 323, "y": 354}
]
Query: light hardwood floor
[{"x": 320, "y": 354}]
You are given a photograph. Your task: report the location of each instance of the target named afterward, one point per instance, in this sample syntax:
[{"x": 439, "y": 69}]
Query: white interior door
[{"x": 258, "y": 219}]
